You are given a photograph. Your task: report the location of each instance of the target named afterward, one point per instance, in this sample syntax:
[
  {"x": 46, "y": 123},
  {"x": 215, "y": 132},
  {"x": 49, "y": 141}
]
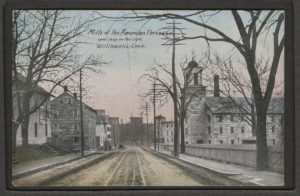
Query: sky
[{"x": 119, "y": 88}]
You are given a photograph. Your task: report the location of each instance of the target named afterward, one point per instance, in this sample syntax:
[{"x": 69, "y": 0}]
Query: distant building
[
  {"x": 135, "y": 132},
  {"x": 39, "y": 127},
  {"x": 66, "y": 127},
  {"x": 164, "y": 131},
  {"x": 114, "y": 130},
  {"x": 101, "y": 129}
]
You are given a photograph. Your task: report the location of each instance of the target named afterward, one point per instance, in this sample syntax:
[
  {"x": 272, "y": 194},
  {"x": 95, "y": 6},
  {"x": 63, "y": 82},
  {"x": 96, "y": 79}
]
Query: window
[
  {"x": 273, "y": 141},
  {"x": 221, "y": 130},
  {"x": 221, "y": 141},
  {"x": 242, "y": 130},
  {"x": 186, "y": 130},
  {"x": 46, "y": 129},
  {"x": 76, "y": 139},
  {"x": 209, "y": 141},
  {"x": 75, "y": 126},
  {"x": 42, "y": 113},
  {"x": 232, "y": 141},
  {"x": 186, "y": 142},
  {"x": 55, "y": 114},
  {"x": 69, "y": 101},
  {"x": 220, "y": 118},
  {"x": 195, "y": 78},
  {"x": 61, "y": 101},
  {"x": 231, "y": 129},
  {"x": 199, "y": 141},
  {"x": 167, "y": 139},
  {"x": 273, "y": 129},
  {"x": 35, "y": 130},
  {"x": 75, "y": 113},
  {"x": 231, "y": 118},
  {"x": 208, "y": 118},
  {"x": 208, "y": 130}
]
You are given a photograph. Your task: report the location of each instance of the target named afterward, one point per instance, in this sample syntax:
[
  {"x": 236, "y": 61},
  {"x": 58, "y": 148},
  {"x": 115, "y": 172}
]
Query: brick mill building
[
  {"x": 217, "y": 120},
  {"x": 66, "y": 127}
]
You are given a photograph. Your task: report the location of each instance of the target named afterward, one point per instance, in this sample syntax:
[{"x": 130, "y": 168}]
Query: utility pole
[
  {"x": 146, "y": 107},
  {"x": 173, "y": 44},
  {"x": 142, "y": 129},
  {"x": 81, "y": 114},
  {"x": 154, "y": 115},
  {"x": 147, "y": 124}
]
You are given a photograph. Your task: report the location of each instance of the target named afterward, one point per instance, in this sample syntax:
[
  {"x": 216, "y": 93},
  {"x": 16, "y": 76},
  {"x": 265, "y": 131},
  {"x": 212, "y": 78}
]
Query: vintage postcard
[{"x": 148, "y": 98}]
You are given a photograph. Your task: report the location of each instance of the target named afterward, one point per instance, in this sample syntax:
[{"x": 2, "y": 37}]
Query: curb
[
  {"x": 190, "y": 162},
  {"x": 75, "y": 169},
  {"x": 36, "y": 170}
]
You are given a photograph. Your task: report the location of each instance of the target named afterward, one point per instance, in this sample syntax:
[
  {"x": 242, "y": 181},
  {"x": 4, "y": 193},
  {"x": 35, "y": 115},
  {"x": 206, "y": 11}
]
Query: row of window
[
  {"x": 220, "y": 117},
  {"x": 221, "y": 130},
  {"x": 75, "y": 126},
  {"x": 171, "y": 132},
  {"x": 171, "y": 125},
  {"x": 75, "y": 113},
  {"x": 171, "y": 140},
  {"x": 66, "y": 100}
]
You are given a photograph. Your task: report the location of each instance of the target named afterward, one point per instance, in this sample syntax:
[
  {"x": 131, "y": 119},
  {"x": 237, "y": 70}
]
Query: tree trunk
[
  {"x": 15, "y": 127},
  {"x": 26, "y": 118},
  {"x": 182, "y": 135},
  {"x": 25, "y": 125},
  {"x": 253, "y": 120},
  {"x": 261, "y": 138}
]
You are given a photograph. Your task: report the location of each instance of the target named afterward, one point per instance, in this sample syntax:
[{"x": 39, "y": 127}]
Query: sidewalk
[
  {"x": 38, "y": 165},
  {"x": 262, "y": 178}
]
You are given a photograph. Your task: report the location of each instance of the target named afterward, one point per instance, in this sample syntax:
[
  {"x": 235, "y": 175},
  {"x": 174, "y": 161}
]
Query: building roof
[
  {"x": 100, "y": 119},
  {"x": 38, "y": 89},
  {"x": 226, "y": 105},
  {"x": 67, "y": 93}
]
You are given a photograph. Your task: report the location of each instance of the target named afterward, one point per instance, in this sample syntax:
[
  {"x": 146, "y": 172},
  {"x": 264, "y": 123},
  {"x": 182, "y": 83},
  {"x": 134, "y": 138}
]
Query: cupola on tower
[{"x": 195, "y": 91}]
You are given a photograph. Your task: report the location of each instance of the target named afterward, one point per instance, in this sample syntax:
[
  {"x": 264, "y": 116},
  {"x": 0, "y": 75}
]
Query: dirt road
[{"x": 133, "y": 166}]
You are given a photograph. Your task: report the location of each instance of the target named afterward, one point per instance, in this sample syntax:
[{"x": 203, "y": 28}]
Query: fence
[{"x": 244, "y": 154}]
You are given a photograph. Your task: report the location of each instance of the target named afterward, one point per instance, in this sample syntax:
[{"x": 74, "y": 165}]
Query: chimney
[
  {"x": 65, "y": 89},
  {"x": 216, "y": 86},
  {"x": 75, "y": 95}
]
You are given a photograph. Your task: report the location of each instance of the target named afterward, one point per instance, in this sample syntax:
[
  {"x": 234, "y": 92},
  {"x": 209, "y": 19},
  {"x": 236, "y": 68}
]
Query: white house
[{"x": 39, "y": 128}]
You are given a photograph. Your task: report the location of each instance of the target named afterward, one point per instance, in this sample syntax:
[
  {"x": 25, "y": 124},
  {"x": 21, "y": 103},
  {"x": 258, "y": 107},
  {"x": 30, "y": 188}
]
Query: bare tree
[
  {"x": 236, "y": 87},
  {"x": 163, "y": 77},
  {"x": 257, "y": 24},
  {"x": 43, "y": 52}
]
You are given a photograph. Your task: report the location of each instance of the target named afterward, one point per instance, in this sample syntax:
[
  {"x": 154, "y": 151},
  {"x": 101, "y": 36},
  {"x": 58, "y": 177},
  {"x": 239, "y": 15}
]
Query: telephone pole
[
  {"x": 173, "y": 44},
  {"x": 142, "y": 129},
  {"x": 154, "y": 115},
  {"x": 146, "y": 107},
  {"x": 147, "y": 124},
  {"x": 81, "y": 114}
]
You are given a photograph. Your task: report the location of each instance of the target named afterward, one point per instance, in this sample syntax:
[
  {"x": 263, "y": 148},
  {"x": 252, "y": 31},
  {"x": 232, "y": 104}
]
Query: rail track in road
[
  {"x": 128, "y": 171},
  {"x": 132, "y": 166}
]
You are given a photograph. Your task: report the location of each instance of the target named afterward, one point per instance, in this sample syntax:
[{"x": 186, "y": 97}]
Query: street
[{"x": 132, "y": 166}]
